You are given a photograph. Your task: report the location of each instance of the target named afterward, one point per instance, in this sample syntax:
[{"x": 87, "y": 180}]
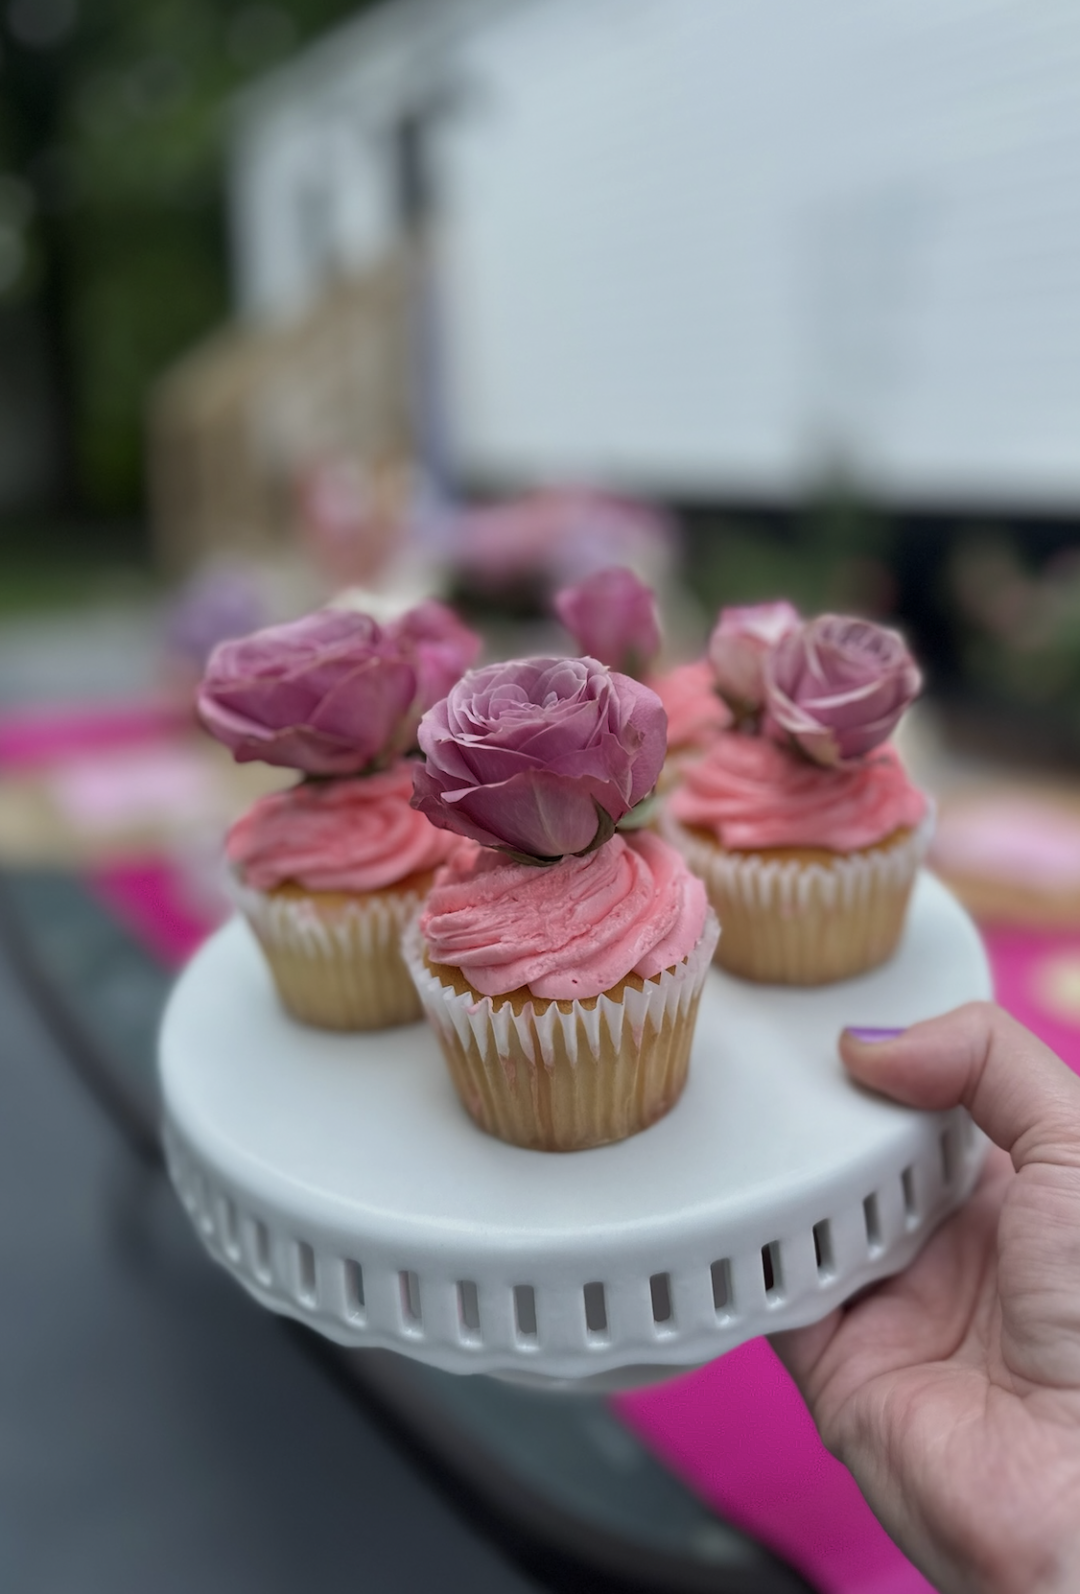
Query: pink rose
[
  {"x": 612, "y": 617},
  {"x": 539, "y": 757},
  {"x": 739, "y": 644},
  {"x": 443, "y": 647},
  {"x": 328, "y": 694},
  {"x": 838, "y": 687}
]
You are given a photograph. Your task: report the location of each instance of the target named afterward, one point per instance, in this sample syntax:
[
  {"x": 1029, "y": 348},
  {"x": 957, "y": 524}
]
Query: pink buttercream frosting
[
  {"x": 695, "y": 710},
  {"x": 572, "y": 929},
  {"x": 358, "y": 834},
  {"x": 752, "y": 792}
]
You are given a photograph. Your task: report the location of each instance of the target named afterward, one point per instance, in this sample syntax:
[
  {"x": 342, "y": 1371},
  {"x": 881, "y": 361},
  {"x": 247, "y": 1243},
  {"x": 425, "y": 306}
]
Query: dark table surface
[{"x": 161, "y": 1431}]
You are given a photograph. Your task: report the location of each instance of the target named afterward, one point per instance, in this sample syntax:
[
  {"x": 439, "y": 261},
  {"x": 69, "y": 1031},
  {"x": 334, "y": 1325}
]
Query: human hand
[{"x": 952, "y": 1392}]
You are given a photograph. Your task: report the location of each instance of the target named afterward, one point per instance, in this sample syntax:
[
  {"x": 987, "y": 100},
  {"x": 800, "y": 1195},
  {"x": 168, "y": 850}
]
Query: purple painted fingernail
[{"x": 870, "y": 1037}]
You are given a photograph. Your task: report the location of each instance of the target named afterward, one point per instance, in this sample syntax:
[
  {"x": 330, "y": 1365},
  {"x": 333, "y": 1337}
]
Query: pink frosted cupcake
[
  {"x": 328, "y": 874},
  {"x": 560, "y": 964},
  {"x": 328, "y": 871},
  {"x": 804, "y": 825}
]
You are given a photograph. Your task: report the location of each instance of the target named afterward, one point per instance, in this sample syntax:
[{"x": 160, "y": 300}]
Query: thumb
[{"x": 1015, "y": 1088}]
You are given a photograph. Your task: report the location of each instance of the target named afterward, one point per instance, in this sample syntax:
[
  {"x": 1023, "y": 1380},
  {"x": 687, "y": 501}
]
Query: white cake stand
[{"x": 339, "y": 1179}]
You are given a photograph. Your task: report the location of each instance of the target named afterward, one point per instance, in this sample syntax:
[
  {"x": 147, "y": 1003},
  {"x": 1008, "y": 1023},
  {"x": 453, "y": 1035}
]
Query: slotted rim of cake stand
[{"x": 341, "y": 1182}]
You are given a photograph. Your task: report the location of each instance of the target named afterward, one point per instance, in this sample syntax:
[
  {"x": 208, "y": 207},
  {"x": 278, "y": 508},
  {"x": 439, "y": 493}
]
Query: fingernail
[{"x": 871, "y": 1037}]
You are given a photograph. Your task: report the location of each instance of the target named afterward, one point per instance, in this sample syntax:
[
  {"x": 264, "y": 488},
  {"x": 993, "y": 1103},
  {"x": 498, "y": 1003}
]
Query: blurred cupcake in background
[
  {"x": 725, "y": 687},
  {"x": 800, "y": 818},
  {"x": 696, "y": 712},
  {"x": 329, "y": 870}
]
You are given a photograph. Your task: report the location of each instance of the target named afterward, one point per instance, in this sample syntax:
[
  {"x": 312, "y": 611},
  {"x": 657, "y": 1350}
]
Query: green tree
[{"x": 113, "y": 121}]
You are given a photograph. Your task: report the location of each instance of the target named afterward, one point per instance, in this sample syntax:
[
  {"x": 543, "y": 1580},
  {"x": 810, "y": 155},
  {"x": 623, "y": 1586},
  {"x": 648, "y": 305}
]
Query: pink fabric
[
  {"x": 148, "y": 897},
  {"x": 737, "y": 1431},
  {"x": 1025, "y": 962},
  {"x": 30, "y": 738}
]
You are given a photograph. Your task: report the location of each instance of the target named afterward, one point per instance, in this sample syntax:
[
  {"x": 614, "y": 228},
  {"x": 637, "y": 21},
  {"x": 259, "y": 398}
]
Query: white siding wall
[{"x": 712, "y": 245}]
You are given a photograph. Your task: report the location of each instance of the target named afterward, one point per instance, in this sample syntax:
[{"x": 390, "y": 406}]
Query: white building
[{"x": 710, "y": 247}]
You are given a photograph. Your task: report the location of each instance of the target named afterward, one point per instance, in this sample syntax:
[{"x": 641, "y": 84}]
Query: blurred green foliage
[
  {"x": 833, "y": 555},
  {"x": 113, "y": 121},
  {"x": 1019, "y": 621}
]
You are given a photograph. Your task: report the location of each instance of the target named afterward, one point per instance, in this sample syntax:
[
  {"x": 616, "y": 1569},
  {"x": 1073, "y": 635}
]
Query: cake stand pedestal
[{"x": 342, "y": 1183}]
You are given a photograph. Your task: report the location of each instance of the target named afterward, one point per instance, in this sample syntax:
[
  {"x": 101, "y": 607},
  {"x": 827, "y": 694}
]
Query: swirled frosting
[
  {"x": 573, "y": 929},
  {"x": 751, "y": 792},
  {"x": 695, "y": 710},
  {"x": 357, "y": 834}
]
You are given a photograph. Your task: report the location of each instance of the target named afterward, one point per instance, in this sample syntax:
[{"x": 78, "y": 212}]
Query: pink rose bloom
[
  {"x": 838, "y": 687},
  {"x": 443, "y": 645},
  {"x": 695, "y": 710},
  {"x": 740, "y": 642},
  {"x": 612, "y": 617},
  {"x": 327, "y": 695},
  {"x": 539, "y": 757}
]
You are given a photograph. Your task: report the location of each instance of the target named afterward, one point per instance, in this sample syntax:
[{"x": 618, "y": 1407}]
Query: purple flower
[
  {"x": 328, "y": 694},
  {"x": 740, "y": 642},
  {"x": 612, "y": 617},
  {"x": 215, "y": 605},
  {"x": 443, "y": 647},
  {"x": 838, "y": 687},
  {"x": 539, "y": 757}
]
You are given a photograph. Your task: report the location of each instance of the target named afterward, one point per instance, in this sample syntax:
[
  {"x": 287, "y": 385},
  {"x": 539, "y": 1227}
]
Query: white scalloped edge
[{"x": 716, "y": 1295}]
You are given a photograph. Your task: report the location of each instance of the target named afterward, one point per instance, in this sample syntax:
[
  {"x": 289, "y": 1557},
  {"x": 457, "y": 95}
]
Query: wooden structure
[{"x": 237, "y": 423}]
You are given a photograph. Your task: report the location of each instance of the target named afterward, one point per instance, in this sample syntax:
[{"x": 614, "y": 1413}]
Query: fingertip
[
  {"x": 864, "y": 1035},
  {"x": 864, "y": 1047},
  {"x": 875, "y": 1056}
]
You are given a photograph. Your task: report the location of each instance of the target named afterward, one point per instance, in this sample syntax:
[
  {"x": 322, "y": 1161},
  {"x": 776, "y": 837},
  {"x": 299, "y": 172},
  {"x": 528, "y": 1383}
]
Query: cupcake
[
  {"x": 560, "y": 963},
  {"x": 328, "y": 874},
  {"x": 802, "y": 822},
  {"x": 328, "y": 871}
]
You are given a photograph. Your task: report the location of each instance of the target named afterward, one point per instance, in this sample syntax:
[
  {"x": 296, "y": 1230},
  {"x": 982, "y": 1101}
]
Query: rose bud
[
  {"x": 539, "y": 757},
  {"x": 443, "y": 645},
  {"x": 738, "y": 646},
  {"x": 612, "y": 617},
  {"x": 327, "y": 695},
  {"x": 838, "y": 687}
]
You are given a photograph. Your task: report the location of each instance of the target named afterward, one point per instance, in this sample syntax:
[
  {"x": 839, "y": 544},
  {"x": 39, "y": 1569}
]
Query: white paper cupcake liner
[
  {"x": 806, "y": 922},
  {"x": 338, "y": 968},
  {"x": 566, "y": 1075}
]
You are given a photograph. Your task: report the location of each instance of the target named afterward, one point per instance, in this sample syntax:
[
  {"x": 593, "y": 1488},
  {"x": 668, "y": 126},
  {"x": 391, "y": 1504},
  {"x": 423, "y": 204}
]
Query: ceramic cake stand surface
[{"x": 340, "y": 1180}]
